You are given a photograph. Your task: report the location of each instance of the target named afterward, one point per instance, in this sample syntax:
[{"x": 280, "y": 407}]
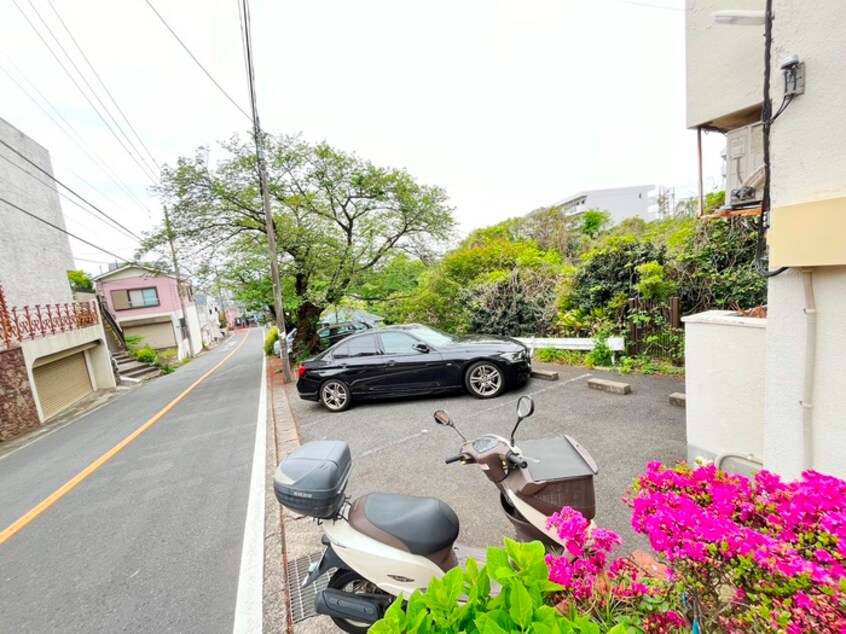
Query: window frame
[{"x": 127, "y": 292}]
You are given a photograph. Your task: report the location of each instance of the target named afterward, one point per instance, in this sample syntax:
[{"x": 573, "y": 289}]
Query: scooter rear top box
[{"x": 312, "y": 479}]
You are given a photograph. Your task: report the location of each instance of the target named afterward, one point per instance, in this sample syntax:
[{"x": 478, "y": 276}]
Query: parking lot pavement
[{"x": 397, "y": 447}]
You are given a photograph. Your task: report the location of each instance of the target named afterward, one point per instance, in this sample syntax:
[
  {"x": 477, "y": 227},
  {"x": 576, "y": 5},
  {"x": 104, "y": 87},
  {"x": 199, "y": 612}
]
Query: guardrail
[
  {"x": 42, "y": 320},
  {"x": 616, "y": 344}
]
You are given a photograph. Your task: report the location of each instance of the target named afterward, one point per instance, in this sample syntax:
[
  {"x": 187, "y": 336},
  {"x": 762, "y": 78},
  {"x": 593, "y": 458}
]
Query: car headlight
[{"x": 512, "y": 357}]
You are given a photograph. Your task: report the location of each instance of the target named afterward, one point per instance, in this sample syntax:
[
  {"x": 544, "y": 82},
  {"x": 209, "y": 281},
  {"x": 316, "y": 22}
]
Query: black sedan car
[{"x": 410, "y": 360}]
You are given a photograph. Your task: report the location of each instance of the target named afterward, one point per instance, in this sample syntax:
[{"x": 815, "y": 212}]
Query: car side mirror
[{"x": 420, "y": 347}]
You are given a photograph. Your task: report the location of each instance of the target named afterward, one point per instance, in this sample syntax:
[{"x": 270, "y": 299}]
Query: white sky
[{"x": 509, "y": 105}]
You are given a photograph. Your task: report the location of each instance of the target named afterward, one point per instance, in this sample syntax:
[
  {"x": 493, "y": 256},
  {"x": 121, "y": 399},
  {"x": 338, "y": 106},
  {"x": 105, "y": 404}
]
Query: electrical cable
[
  {"x": 58, "y": 228},
  {"x": 102, "y": 83},
  {"x": 79, "y": 141},
  {"x": 144, "y": 168},
  {"x": 767, "y": 118},
  {"x": 155, "y": 170},
  {"x": 56, "y": 180},
  {"x": 126, "y": 232},
  {"x": 203, "y": 68}
]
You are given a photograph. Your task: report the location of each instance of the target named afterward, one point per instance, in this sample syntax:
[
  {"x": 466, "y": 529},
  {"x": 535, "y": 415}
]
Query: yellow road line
[{"x": 59, "y": 493}]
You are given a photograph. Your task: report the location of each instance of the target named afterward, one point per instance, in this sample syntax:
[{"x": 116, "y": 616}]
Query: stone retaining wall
[{"x": 17, "y": 404}]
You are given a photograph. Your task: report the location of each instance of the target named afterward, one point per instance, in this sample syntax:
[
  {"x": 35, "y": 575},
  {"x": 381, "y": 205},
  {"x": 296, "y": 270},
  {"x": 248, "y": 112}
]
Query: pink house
[{"x": 146, "y": 303}]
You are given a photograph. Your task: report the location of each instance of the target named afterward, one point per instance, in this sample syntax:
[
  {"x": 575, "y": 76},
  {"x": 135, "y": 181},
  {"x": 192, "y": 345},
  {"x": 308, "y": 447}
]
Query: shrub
[
  {"x": 521, "y": 606},
  {"x": 756, "y": 555},
  {"x": 601, "y": 355},
  {"x": 167, "y": 368},
  {"x": 562, "y": 357},
  {"x": 272, "y": 336},
  {"x": 144, "y": 355}
]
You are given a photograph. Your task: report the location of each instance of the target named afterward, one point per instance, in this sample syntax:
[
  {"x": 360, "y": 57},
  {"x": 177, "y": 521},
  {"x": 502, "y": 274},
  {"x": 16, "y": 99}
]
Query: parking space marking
[{"x": 422, "y": 432}]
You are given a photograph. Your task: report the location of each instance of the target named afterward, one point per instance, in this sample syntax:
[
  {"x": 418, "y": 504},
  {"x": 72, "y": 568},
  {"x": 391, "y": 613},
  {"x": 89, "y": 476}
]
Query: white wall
[
  {"x": 724, "y": 360},
  {"x": 808, "y": 164},
  {"x": 725, "y": 63},
  {"x": 36, "y": 257}
]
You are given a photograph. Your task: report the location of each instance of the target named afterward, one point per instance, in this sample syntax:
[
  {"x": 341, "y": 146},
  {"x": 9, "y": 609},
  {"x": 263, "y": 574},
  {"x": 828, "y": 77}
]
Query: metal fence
[{"x": 42, "y": 320}]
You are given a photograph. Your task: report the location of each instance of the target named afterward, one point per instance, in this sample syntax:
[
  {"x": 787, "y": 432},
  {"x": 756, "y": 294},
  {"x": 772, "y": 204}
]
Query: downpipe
[{"x": 810, "y": 370}]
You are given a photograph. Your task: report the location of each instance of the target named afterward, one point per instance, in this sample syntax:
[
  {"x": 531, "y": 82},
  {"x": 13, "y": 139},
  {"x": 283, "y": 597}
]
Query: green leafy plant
[
  {"x": 521, "y": 605},
  {"x": 561, "y": 357},
  {"x": 167, "y": 368},
  {"x": 270, "y": 339},
  {"x": 601, "y": 355},
  {"x": 144, "y": 355},
  {"x": 133, "y": 341}
]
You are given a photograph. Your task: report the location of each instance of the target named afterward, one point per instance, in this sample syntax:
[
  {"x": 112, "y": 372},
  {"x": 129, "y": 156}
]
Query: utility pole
[{"x": 265, "y": 196}]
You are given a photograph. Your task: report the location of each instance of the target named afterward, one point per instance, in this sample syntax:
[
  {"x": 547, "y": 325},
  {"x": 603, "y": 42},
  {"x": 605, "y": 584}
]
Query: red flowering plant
[
  {"x": 616, "y": 593},
  {"x": 759, "y": 555}
]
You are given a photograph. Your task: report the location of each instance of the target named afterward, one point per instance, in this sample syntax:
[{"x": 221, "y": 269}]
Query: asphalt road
[
  {"x": 397, "y": 447},
  {"x": 151, "y": 541}
]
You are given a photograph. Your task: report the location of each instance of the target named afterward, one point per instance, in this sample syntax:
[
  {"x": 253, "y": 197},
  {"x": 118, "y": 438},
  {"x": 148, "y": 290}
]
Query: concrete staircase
[{"x": 132, "y": 370}]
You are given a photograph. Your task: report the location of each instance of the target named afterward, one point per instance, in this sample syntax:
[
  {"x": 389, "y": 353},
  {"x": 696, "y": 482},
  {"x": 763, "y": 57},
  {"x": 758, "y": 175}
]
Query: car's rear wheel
[
  {"x": 335, "y": 395},
  {"x": 484, "y": 379}
]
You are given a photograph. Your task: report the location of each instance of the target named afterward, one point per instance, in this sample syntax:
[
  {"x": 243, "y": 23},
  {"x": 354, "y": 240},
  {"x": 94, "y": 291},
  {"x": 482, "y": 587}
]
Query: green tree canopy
[
  {"x": 336, "y": 216},
  {"x": 80, "y": 282}
]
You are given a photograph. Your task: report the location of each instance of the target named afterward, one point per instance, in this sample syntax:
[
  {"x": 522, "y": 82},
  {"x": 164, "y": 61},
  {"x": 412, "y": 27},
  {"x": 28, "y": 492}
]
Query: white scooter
[{"x": 384, "y": 545}]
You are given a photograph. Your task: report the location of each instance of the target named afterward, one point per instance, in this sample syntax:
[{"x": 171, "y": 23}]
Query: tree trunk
[{"x": 307, "y": 322}]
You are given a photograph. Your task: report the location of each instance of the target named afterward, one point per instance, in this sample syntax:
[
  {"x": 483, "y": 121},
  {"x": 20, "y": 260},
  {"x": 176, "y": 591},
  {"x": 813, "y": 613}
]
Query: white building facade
[{"x": 802, "y": 363}]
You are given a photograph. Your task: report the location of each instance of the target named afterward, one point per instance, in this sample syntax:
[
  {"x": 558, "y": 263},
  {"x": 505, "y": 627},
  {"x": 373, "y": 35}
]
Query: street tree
[{"x": 336, "y": 216}]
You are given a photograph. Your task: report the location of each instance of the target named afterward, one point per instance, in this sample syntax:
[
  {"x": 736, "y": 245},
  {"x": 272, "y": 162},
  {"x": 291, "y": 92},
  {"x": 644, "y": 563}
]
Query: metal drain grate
[{"x": 302, "y": 599}]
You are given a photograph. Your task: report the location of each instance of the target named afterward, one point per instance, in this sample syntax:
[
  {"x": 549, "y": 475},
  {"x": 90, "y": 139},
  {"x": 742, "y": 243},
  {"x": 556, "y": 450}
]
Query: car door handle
[{"x": 390, "y": 363}]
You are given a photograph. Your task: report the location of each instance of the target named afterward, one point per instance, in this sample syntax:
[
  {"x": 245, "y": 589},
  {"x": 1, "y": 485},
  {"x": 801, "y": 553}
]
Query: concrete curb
[
  {"x": 614, "y": 387},
  {"x": 287, "y": 536}
]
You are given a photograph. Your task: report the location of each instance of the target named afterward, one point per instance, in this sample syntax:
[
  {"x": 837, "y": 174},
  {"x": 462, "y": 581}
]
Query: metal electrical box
[{"x": 744, "y": 155}]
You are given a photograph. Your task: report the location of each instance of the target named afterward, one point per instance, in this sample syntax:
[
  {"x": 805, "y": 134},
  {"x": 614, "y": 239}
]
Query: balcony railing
[{"x": 18, "y": 324}]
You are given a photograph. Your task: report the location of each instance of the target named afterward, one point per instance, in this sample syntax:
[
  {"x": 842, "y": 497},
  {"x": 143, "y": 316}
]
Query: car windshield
[{"x": 431, "y": 336}]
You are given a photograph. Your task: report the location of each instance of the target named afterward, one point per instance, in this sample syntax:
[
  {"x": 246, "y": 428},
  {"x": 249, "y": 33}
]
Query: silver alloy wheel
[
  {"x": 485, "y": 380},
  {"x": 335, "y": 396}
]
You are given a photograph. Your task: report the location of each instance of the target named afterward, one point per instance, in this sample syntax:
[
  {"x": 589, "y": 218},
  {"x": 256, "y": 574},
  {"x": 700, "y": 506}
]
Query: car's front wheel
[
  {"x": 484, "y": 379},
  {"x": 335, "y": 395}
]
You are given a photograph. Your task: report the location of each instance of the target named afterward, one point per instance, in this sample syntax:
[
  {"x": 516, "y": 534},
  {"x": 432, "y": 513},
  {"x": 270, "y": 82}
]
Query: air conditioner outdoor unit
[{"x": 745, "y": 166}]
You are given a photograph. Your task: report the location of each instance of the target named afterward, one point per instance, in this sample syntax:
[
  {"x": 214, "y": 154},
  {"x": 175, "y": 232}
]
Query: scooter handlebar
[
  {"x": 452, "y": 459},
  {"x": 516, "y": 460}
]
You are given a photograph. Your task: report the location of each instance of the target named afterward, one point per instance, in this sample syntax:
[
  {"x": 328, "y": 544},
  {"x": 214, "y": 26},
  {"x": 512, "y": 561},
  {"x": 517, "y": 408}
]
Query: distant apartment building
[
  {"x": 621, "y": 202},
  {"x": 52, "y": 350}
]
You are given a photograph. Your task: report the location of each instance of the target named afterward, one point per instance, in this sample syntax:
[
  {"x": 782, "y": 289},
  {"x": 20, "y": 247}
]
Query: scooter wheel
[{"x": 354, "y": 583}]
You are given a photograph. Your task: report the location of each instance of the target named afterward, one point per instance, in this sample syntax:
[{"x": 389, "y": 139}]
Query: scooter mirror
[
  {"x": 525, "y": 407},
  {"x": 442, "y": 418}
]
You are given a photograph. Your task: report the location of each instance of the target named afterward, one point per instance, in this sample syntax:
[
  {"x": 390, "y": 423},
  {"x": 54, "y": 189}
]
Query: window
[
  {"x": 135, "y": 298},
  {"x": 398, "y": 343},
  {"x": 358, "y": 347}
]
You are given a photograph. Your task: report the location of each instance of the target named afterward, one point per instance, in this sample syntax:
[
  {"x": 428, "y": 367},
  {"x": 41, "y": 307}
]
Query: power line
[
  {"x": 58, "y": 228},
  {"x": 203, "y": 68},
  {"x": 56, "y": 180},
  {"x": 155, "y": 170},
  {"x": 102, "y": 83},
  {"x": 68, "y": 198},
  {"x": 144, "y": 168},
  {"x": 79, "y": 141}
]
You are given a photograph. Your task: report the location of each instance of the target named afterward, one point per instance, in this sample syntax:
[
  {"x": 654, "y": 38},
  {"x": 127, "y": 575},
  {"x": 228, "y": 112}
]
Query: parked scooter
[{"x": 384, "y": 545}]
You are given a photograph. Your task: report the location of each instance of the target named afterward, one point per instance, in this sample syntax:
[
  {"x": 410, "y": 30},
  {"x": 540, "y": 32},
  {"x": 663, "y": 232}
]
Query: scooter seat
[{"x": 421, "y": 526}]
